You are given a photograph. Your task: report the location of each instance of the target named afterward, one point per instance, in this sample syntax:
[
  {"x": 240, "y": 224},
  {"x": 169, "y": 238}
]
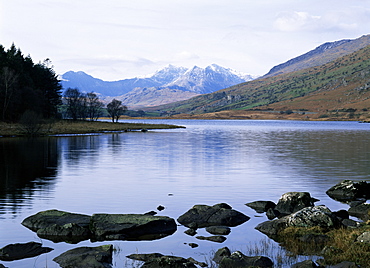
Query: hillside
[
  {"x": 321, "y": 55},
  {"x": 341, "y": 85}
]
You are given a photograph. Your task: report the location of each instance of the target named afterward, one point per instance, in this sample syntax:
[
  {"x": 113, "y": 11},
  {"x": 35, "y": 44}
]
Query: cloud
[
  {"x": 344, "y": 20},
  {"x": 295, "y": 21},
  {"x": 186, "y": 55}
]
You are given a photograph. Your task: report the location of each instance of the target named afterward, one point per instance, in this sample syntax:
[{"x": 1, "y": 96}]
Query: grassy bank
[
  {"x": 340, "y": 246},
  {"x": 75, "y": 127}
]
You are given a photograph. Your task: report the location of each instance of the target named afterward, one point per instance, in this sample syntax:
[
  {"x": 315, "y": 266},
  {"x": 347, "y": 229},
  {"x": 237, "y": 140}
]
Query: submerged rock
[
  {"x": 220, "y": 214},
  {"x": 20, "y": 251},
  {"x": 214, "y": 238},
  {"x": 97, "y": 257},
  {"x": 131, "y": 226},
  {"x": 348, "y": 190}
]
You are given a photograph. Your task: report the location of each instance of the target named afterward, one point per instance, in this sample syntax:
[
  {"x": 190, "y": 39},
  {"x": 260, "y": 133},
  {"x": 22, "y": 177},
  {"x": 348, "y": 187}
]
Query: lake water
[{"x": 209, "y": 162}]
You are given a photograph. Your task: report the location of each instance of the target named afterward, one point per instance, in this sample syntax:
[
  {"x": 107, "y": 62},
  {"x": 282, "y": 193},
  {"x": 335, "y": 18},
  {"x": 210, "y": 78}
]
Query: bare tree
[
  {"x": 76, "y": 103},
  {"x": 94, "y": 106},
  {"x": 116, "y": 109}
]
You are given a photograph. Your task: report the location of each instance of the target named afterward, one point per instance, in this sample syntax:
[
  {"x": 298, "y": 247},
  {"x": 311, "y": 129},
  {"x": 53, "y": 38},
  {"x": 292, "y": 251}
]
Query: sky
[{"x": 119, "y": 39}]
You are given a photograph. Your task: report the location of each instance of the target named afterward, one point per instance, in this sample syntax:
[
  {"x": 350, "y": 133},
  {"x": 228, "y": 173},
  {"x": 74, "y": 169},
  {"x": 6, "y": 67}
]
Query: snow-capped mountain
[
  {"x": 195, "y": 80},
  {"x": 206, "y": 80}
]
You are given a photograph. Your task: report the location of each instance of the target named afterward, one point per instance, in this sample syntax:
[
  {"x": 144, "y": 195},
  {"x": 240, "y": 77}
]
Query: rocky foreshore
[{"x": 295, "y": 217}]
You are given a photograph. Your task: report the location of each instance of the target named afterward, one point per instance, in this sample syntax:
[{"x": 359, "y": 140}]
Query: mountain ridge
[
  {"x": 179, "y": 82},
  {"x": 346, "y": 80},
  {"x": 322, "y": 54}
]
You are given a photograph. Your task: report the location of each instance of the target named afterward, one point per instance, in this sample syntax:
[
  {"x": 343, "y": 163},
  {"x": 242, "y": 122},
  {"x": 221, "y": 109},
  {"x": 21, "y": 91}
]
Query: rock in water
[
  {"x": 220, "y": 214},
  {"x": 261, "y": 206},
  {"x": 156, "y": 260},
  {"x": 131, "y": 226},
  {"x": 294, "y": 201},
  {"x": 307, "y": 217},
  {"x": 92, "y": 257},
  {"x": 20, "y": 251},
  {"x": 59, "y": 226},
  {"x": 348, "y": 190},
  {"x": 239, "y": 260}
]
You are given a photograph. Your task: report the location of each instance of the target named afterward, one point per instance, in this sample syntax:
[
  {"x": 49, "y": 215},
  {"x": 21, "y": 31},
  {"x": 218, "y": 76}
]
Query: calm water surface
[{"x": 207, "y": 163}]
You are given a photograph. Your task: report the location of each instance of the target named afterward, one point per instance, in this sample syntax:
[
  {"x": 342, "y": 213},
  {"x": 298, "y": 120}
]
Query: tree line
[
  {"x": 82, "y": 106},
  {"x": 26, "y": 86},
  {"x": 29, "y": 90}
]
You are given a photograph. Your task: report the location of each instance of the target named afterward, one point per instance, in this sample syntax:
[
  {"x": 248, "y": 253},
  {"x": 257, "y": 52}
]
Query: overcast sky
[{"x": 117, "y": 39}]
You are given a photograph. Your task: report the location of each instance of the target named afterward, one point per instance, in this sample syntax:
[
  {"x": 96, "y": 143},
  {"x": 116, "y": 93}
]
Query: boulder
[
  {"x": 155, "y": 260},
  {"x": 46, "y": 218},
  {"x": 272, "y": 213},
  {"x": 59, "y": 226},
  {"x": 70, "y": 233},
  {"x": 221, "y": 253},
  {"x": 193, "y": 245},
  {"x": 169, "y": 262},
  {"x": 361, "y": 211},
  {"x": 349, "y": 223},
  {"x": 220, "y": 214},
  {"x": 93, "y": 257},
  {"x": 131, "y": 226},
  {"x": 307, "y": 217},
  {"x": 215, "y": 238},
  {"x": 191, "y": 232},
  {"x": 314, "y": 216},
  {"x": 20, "y": 251},
  {"x": 348, "y": 190},
  {"x": 345, "y": 264},
  {"x": 218, "y": 230},
  {"x": 364, "y": 238},
  {"x": 239, "y": 260},
  {"x": 305, "y": 264},
  {"x": 261, "y": 206},
  {"x": 144, "y": 256},
  {"x": 293, "y": 201}
]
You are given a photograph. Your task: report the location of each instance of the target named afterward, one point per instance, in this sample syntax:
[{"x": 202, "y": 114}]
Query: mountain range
[
  {"x": 168, "y": 85},
  {"x": 333, "y": 77}
]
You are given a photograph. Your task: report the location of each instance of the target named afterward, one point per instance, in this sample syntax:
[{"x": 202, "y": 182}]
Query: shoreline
[
  {"x": 81, "y": 127},
  {"x": 68, "y": 127}
]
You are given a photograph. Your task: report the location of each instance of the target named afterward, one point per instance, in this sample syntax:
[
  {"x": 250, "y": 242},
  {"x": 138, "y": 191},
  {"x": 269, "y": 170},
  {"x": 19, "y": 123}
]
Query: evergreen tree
[{"x": 25, "y": 86}]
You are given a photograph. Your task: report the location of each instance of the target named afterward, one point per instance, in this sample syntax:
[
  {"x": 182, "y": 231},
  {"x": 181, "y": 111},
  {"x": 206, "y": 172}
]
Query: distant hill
[
  {"x": 322, "y": 54},
  {"x": 167, "y": 85},
  {"x": 343, "y": 83}
]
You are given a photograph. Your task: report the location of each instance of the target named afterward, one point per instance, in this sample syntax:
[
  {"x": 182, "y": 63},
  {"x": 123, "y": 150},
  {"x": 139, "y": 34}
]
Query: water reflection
[
  {"x": 209, "y": 162},
  {"x": 26, "y": 166}
]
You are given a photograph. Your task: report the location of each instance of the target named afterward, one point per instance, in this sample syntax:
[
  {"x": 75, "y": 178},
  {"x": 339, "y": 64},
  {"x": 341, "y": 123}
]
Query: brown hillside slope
[{"x": 338, "y": 90}]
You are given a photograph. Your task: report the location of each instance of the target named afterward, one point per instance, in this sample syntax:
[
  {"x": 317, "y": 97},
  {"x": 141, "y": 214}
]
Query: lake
[{"x": 209, "y": 162}]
